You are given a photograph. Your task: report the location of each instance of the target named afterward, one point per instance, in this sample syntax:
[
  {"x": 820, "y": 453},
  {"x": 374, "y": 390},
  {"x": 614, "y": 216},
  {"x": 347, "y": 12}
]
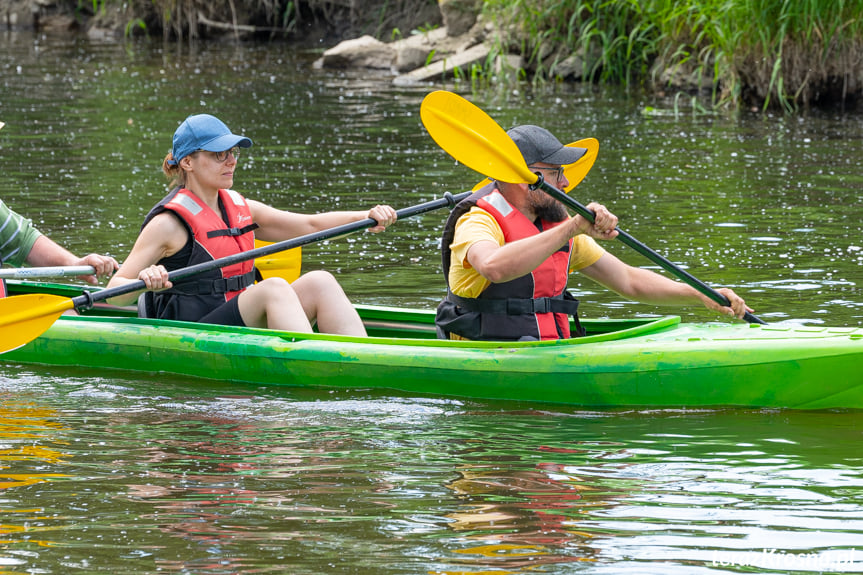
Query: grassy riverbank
[{"x": 762, "y": 53}]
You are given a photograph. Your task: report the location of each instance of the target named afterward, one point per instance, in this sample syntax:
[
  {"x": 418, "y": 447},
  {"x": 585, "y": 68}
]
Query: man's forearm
[{"x": 45, "y": 252}]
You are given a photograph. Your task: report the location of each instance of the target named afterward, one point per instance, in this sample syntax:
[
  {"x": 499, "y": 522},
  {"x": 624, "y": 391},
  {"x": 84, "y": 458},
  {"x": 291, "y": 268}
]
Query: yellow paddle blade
[
  {"x": 23, "y": 318},
  {"x": 471, "y": 137},
  {"x": 286, "y": 264},
  {"x": 574, "y": 172}
]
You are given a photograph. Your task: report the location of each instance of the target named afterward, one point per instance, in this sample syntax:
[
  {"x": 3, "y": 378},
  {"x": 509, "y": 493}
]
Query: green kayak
[{"x": 652, "y": 362}]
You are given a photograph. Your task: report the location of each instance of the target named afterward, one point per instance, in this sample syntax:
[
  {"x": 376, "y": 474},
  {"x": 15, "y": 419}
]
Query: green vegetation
[
  {"x": 765, "y": 53},
  {"x": 781, "y": 54}
]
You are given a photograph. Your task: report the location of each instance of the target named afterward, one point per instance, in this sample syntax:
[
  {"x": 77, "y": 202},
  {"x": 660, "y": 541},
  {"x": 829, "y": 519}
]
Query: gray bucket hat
[{"x": 539, "y": 145}]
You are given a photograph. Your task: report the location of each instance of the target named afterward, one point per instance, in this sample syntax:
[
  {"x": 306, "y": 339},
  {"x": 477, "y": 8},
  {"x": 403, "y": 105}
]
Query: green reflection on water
[{"x": 168, "y": 475}]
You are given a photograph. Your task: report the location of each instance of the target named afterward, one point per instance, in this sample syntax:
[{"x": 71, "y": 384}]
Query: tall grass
[{"x": 767, "y": 53}]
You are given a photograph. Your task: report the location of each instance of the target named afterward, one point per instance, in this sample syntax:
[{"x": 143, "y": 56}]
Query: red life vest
[
  {"x": 211, "y": 234},
  {"x": 547, "y": 280},
  {"x": 533, "y": 306},
  {"x": 211, "y": 238}
]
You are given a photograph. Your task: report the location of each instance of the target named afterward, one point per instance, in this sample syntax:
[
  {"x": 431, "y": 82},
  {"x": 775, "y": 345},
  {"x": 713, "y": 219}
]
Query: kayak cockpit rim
[{"x": 634, "y": 328}]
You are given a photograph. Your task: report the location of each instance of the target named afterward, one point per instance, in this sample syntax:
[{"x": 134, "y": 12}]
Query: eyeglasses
[
  {"x": 556, "y": 173},
  {"x": 222, "y": 156}
]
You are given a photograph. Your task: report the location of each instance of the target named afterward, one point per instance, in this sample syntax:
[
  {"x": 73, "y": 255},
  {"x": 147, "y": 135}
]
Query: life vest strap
[
  {"x": 232, "y": 231},
  {"x": 516, "y": 306},
  {"x": 219, "y": 286}
]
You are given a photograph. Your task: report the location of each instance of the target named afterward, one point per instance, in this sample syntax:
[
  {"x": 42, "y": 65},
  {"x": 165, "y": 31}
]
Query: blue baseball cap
[{"x": 204, "y": 132}]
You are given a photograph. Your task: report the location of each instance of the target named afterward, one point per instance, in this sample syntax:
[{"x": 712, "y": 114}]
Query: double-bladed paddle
[
  {"x": 25, "y": 317},
  {"x": 470, "y": 136}
]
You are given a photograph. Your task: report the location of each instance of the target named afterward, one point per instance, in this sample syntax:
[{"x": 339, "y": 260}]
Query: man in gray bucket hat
[{"x": 508, "y": 251}]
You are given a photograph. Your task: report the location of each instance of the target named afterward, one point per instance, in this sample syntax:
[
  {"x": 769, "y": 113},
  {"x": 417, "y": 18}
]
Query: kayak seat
[{"x": 145, "y": 305}]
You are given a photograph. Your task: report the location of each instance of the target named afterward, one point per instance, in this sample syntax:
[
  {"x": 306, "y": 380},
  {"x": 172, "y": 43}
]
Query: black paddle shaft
[
  {"x": 643, "y": 249},
  {"x": 87, "y": 299}
]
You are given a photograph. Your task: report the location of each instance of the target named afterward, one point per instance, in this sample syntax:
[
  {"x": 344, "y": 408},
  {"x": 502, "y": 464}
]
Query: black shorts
[{"x": 226, "y": 314}]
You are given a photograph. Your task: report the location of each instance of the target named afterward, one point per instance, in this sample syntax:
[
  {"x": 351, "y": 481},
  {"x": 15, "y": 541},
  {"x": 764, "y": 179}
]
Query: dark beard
[{"x": 551, "y": 210}]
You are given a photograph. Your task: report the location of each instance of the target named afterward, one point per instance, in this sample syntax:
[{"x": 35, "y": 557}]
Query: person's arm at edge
[{"x": 46, "y": 252}]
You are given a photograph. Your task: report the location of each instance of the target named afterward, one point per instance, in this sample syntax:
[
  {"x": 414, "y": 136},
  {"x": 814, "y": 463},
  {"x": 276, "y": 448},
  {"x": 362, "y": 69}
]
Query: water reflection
[
  {"x": 223, "y": 483},
  {"x": 31, "y": 444},
  {"x": 701, "y": 498},
  {"x": 519, "y": 520},
  {"x": 171, "y": 476}
]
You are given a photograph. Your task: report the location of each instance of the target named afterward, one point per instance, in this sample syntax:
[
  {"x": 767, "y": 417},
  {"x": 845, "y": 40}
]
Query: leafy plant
[
  {"x": 132, "y": 24},
  {"x": 771, "y": 53}
]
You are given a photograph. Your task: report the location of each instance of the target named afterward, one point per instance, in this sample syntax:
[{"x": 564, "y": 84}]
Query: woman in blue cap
[{"x": 202, "y": 219}]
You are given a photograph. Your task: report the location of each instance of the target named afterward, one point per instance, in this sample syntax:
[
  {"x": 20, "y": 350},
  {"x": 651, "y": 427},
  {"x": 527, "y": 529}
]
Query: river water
[{"x": 102, "y": 472}]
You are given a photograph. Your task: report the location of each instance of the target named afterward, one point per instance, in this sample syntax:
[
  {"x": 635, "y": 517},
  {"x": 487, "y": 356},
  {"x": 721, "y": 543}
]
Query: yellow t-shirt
[{"x": 478, "y": 225}]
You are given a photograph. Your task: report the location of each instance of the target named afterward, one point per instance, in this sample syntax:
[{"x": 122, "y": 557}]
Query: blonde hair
[{"x": 173, "y": 171}]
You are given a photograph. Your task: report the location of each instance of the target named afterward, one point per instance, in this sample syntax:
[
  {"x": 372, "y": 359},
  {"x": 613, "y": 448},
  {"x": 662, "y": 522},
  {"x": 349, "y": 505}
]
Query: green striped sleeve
[{"x": 17, "y": 236}]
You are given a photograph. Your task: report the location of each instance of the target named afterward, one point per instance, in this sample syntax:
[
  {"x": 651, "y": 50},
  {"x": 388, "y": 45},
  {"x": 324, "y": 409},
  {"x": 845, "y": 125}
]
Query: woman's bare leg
[
  {"x": 324, "y": 299},
  {"x": 273, "y": 303}
]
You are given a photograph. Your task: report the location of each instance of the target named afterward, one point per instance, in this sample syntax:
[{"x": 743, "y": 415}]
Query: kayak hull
[{"x": 654, "y": 362}]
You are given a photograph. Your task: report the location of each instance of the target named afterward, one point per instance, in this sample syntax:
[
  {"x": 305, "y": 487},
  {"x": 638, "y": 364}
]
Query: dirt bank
[{"x": 323, "y": 21}]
